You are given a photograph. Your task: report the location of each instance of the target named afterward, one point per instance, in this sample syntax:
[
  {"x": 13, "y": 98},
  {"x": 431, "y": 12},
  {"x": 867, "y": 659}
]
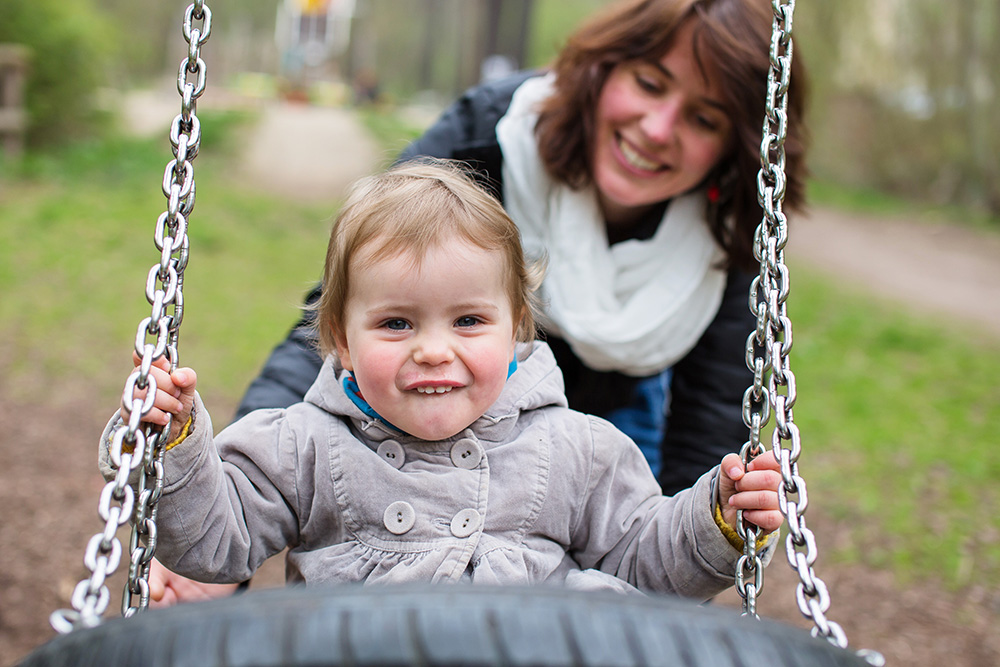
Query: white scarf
[{"x": 636, "y": 307}]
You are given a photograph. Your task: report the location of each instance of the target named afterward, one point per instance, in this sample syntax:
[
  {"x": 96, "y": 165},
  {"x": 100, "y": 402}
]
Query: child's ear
[{"x": 343, "y": 351}]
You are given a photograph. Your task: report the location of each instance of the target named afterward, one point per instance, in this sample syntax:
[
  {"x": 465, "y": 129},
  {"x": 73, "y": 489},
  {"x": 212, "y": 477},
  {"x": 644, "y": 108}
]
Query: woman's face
[{"x": 660, "y": 129}]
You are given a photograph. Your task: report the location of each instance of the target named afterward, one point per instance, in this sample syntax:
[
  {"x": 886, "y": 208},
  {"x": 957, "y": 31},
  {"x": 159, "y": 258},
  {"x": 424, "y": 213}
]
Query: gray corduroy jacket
[{"x": 532, "y": 492}]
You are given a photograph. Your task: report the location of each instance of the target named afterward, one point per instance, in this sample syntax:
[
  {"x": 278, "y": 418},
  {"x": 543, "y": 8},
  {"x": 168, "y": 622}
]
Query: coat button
[
  {"x": 465, "y": 523},
  {"x": 399, "y": 517},
  {"x": 392, "y": 452},
  {"x": 466, "y": 454}
]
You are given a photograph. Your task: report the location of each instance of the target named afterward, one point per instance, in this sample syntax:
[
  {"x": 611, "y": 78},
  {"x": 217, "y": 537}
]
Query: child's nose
[{"x": 432, "y": 350}]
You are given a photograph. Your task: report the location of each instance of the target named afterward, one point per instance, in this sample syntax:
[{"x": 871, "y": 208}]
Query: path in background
[
  {"x": 296, "y": 150},
  {"x": 310, "y": 153},
  {"x": 950, "y": 273}
]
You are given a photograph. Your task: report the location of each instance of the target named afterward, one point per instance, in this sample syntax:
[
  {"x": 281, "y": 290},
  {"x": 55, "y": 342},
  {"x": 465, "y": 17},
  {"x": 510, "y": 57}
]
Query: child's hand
[
  {"x": 174, "y": 396},
  {"x": 754, "y": 491}
]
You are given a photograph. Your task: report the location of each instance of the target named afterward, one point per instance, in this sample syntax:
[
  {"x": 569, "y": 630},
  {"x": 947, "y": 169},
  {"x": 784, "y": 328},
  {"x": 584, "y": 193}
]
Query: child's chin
[
  {"x": 435, "y": 430},
  {"x": 435, "y": 433}
]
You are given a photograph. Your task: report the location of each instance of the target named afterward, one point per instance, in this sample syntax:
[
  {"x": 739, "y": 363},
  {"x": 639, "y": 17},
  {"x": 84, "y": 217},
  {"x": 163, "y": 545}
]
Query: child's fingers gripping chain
[{"x": 166, "y": 400}]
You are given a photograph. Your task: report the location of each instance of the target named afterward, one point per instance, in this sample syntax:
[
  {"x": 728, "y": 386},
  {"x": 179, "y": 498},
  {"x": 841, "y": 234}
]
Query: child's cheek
[{"x": 376, "y": 371}]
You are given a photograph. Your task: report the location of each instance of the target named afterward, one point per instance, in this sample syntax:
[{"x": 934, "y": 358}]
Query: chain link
[
  {"x": 767, "y": 354},
  {"x": 135, "y": 448}
]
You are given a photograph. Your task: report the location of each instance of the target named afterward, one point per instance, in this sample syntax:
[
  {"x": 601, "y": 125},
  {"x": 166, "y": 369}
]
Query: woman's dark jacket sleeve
[{"x": 705, "y": 412}]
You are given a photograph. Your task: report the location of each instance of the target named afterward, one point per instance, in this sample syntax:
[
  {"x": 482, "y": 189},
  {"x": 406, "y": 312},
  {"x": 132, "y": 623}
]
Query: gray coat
[{"x": 532, "y": 492}]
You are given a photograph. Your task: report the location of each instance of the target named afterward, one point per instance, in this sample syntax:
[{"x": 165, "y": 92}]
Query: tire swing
[{"x": 443, "y": 625}]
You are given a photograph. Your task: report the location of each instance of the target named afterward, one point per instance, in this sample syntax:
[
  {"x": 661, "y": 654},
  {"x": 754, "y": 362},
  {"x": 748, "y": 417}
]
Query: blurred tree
[
  {"x": 980, "y": 77},
  {"x": 150, "y": 39},
  {"x": 508, "y": 25},
  {"x": 70, "y": 53},
  {"x": 903, "y": 97}
]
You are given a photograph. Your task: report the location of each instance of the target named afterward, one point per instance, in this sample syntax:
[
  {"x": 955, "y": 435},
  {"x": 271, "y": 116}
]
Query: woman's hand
[{"x": 167, "y": 588}]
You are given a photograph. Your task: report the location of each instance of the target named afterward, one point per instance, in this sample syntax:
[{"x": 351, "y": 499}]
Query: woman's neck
[{"x": 624, "y": 223}]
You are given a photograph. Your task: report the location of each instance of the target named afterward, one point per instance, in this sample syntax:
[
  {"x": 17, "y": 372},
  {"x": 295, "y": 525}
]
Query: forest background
[{"x": 903, "y": 91}]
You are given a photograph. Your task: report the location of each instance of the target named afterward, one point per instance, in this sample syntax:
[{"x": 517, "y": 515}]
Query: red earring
[{"x": 713, "y": 193}]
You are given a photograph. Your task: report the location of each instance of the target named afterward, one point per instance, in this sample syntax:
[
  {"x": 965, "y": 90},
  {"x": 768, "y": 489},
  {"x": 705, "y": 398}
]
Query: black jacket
[{"x": 704, "y": 420}]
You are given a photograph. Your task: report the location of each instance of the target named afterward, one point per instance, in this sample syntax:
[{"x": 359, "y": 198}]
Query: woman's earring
[{"x": 714, "y": 193}]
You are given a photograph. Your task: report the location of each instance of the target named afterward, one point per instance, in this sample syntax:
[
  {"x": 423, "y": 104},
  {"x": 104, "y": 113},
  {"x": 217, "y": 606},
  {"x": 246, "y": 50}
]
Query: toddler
[{"x": 436, "y": 444}]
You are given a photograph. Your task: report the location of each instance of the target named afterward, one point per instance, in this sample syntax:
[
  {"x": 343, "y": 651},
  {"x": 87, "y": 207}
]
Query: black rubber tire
[{"x": 438, "y": 625}]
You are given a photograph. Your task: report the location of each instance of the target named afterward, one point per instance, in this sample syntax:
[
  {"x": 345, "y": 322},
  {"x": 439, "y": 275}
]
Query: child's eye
[
  {"x": 467, "y": 321},
  {"x": 396, "y": 325}
]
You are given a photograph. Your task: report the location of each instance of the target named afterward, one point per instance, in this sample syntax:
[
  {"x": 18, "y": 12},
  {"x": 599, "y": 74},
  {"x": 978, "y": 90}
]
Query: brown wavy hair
[{"x": 732, "y": 40}]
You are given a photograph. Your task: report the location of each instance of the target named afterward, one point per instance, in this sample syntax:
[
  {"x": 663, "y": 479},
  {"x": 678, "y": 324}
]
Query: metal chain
[
  {"x": 767, "y": 354},
  {"x": 137, "y": 450}
]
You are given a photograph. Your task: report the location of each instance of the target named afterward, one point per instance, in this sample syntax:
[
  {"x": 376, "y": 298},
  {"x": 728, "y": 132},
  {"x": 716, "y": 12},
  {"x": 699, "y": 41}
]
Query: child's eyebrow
[{"x": 476, "y": 305}]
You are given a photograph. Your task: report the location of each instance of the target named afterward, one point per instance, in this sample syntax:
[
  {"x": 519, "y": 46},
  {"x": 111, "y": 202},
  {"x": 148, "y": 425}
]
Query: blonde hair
[{"x": 411, "y": 208}]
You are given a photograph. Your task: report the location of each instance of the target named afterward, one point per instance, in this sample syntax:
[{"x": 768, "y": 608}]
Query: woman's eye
[
  {"x": 396, "y": 325},
  {"x": 647, "y": 84},
  {"x": 467, "y": 321},
  {"x": 706, "y": 123}
]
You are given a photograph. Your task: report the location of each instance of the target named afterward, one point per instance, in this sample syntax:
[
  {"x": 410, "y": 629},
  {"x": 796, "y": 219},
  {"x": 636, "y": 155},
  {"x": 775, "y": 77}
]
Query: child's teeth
[{"x": 433, "y": 390}]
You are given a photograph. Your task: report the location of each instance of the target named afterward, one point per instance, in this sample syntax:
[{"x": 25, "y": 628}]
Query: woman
[{"x": 632, "y": 166}]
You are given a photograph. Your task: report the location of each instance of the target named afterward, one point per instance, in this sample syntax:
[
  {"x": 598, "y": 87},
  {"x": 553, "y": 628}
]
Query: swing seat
[{"x": 439, "y": 625}]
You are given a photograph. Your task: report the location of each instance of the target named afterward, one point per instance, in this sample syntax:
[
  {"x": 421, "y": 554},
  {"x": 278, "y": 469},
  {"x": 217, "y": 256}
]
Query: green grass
[
  {"x": 899, "y": 416},
  {"x": 76, "y": 245},
  {"x": 899, "y": 420}
]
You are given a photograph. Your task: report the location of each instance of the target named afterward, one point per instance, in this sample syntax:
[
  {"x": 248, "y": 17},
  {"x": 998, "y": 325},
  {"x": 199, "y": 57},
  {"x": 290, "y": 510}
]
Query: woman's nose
[{"x": 659, "y": 123}]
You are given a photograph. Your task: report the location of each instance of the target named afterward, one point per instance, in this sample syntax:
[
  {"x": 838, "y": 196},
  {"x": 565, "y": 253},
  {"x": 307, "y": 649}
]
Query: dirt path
[{"x": 949, "y": 274}]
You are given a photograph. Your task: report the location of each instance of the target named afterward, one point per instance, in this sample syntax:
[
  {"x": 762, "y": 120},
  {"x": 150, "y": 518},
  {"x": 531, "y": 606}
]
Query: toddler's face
[{"x": 430, "y": 343}]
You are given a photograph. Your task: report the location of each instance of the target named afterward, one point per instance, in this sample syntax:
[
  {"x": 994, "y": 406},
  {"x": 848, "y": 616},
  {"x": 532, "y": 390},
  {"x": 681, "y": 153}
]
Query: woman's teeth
[
  {"x": 433, "y": 390},
  {"x": 636, "y": 160}
]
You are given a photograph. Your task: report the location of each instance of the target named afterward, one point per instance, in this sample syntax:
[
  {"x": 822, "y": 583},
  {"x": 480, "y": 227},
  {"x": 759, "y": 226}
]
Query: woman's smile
[{"x": 633, "y": 158}]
